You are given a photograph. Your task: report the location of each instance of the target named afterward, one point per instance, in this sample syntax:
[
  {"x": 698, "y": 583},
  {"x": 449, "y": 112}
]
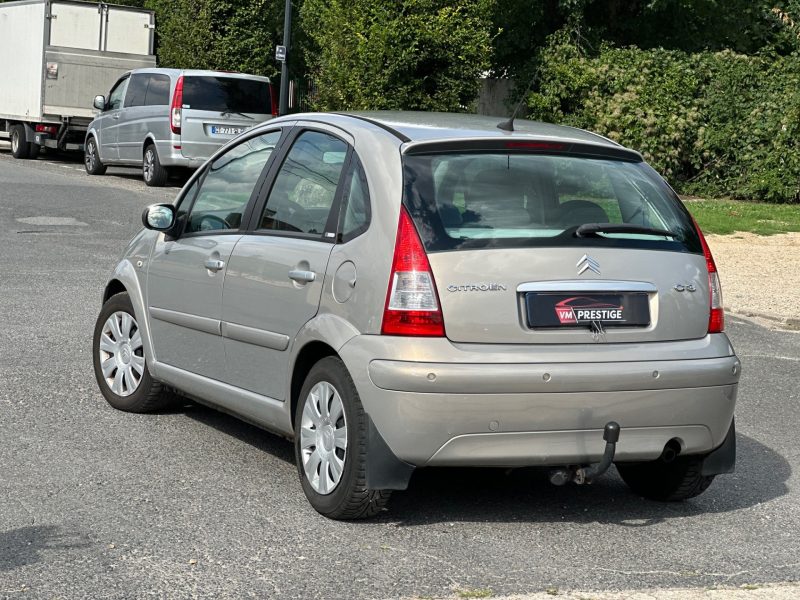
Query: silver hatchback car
[
  {"x": 164, "y": 118},
  {"x": 404, "y": 290}
]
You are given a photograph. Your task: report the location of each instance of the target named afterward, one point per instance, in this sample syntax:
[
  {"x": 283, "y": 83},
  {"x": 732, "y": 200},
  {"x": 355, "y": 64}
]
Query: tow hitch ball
[{"x": 583, "y": 475}]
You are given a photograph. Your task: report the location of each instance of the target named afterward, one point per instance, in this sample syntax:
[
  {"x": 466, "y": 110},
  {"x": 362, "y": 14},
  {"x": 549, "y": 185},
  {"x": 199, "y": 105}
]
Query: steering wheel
[{"x": 212, "y": 222}]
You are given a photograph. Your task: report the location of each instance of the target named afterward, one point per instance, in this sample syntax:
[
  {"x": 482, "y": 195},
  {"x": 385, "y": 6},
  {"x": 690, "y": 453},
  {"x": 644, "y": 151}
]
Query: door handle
[
  {"x": 116, "y": 117},
  {"x": 302, "y": 276},
  {"x": 213, "y": 264}
]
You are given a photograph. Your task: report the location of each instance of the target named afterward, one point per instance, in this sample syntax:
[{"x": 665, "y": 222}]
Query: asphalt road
[{"x": 97, "y": 503}]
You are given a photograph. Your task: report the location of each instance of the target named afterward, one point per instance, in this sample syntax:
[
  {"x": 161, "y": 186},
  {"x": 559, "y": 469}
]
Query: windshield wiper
[
  {"x": 225, "y": 113},
  {"x": 591, "y": 229}
]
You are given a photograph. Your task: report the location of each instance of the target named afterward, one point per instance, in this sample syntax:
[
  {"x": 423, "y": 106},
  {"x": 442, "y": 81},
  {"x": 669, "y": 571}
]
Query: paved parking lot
[{"x": 97, "y": 503}]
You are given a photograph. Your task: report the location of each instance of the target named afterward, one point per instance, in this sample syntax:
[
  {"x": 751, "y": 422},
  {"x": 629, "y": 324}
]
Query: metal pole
[{"x": 287, "y": 34}]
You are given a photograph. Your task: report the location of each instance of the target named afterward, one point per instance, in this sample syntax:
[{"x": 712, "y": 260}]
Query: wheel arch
[{"x": 308, "y": 356}]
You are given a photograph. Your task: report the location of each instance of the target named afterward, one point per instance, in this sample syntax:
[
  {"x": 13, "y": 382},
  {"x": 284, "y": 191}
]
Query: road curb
[{"x": 790, "y": 323}]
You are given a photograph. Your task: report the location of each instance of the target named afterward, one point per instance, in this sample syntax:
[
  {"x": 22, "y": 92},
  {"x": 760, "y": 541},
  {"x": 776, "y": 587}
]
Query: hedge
[{"x": 714, "y": 124}]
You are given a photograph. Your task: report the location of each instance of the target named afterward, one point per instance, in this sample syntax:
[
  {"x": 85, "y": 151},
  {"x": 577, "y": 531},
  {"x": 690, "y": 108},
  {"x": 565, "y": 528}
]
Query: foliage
[
  {"x": 389, "y": 54},
  {"x": 721, "y": 123},
  {"x": 228, "y": 35}
]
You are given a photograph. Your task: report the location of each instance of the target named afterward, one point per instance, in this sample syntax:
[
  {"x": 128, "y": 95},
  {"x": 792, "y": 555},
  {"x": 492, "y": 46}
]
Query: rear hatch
[
  {"x": 217, "y": 108},
  {"x": 555, "y": 247}
]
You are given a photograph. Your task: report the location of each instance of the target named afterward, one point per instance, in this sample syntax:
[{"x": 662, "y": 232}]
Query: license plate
[
  {"x": 226, "y": 130},
  {"x": 581, "y": 309}
]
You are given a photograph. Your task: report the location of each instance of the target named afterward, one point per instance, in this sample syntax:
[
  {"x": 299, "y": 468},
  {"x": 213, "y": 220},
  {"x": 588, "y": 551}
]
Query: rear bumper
[{"x": 481, "y": 408}]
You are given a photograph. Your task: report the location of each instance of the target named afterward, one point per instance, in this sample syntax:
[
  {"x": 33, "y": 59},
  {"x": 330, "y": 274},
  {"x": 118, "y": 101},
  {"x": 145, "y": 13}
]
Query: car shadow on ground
[
  {"x": 25, "y": 545},
  {"x": 438, "y": 495}
]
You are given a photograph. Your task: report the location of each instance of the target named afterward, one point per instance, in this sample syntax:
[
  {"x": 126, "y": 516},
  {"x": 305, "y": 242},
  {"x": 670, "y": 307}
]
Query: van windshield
[
  {"x": 470, "y": 200},
  {"x": 226, "y": 94}
]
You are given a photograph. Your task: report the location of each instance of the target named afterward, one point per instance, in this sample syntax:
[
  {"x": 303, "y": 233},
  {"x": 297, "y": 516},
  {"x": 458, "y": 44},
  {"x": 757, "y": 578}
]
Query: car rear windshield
[
  {"x": 506, "y": 200},
  {"x": 226, "y": 94}
]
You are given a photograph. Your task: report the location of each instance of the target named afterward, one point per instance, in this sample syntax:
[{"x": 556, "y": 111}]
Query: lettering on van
[{"x": 477, "y": 287}]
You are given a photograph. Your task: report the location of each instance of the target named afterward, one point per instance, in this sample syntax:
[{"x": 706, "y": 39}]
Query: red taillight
[
  {"x": 273, "y": 100},
  {"x": 412, "y": 303},
  {"x": 51, "y": 129},
  {"x": 716, "y": 318},
  {"x": 177, "y": 107}
]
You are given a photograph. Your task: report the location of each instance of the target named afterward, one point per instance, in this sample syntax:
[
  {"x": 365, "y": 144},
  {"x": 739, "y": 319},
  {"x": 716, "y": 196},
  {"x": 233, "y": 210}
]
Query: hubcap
[
  {"x": 323, "y": 438},
  {"x": 148, "y": 165},
  {"x": 15, "y": 141},
  {"x": 121, "y": 353},
  {"x": 90, "y": 155}
]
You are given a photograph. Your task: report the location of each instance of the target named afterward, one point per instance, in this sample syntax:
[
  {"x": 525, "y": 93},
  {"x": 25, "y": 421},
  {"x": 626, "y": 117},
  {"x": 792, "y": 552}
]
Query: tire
[
  {"x": 317, "y": 432},
  {"x": 131, "y": 391},
  {"x": 678, "y": 480},
  {"x": 33, "y": 150},
  {"x": 20, "y": 148},
  {"x": 154, "y": 174},
  {"x": 91, "y": 158}
]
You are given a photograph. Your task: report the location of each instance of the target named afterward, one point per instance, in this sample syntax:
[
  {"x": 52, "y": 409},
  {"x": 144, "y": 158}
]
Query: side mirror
[
  {"x": 159, "y": 217},
  {"x": 99, "y": 102}
]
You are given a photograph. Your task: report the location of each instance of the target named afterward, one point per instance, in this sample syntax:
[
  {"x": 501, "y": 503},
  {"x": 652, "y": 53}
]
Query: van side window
[
  {"x": 137, "y": 88},
  {"x": 157, "y": 91},
  {"x": 117, "y": 95}
]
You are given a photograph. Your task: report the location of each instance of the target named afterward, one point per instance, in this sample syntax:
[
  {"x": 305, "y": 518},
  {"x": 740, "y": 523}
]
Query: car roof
[
  {"x": 198, "y": 72},
  {"x": 429, "y": 126}
]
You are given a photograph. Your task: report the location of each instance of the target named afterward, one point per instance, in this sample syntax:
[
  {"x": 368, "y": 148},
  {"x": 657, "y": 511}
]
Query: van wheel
[
  {"x": 673, "y": 481},
  {"x": 91, "y": 158},
  {"x": 120, "y": 366},
  {"x": 154, "y": 174},
  {"x": 331, "y": 445},
  {"x": 20, "y": 148}
]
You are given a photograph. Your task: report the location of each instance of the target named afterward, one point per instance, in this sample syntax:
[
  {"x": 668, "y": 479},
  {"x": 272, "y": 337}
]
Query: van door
[
  {"x": 108, "y": 127},
  {"x": 132, "y": 128},
  {"x": 216, "y": 108}
]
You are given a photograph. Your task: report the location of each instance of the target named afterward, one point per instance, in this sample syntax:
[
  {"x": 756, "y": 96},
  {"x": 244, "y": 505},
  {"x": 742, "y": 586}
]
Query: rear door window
[
  {"x": 304, "y": 190},
  {"x": 157, "y": 91},
  {"x": 475, "y": 199},
  {"x": 226, "y": 94}
]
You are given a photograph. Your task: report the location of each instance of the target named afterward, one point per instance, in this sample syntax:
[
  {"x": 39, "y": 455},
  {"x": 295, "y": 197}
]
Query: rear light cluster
[
  {"x": 412, "y": 303},
  {"x": 273, "y": 100},
  {"x": 175, "y": 116},
  {"x": 716, "y": 318},
  {"x": 51, "y": 129}
]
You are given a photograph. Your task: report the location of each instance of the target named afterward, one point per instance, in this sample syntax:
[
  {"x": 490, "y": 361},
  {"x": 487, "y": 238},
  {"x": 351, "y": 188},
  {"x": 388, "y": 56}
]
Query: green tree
[{"x": 390, "y": 54}]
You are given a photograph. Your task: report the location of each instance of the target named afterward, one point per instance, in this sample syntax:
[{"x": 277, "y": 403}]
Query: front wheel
[
  {"x": 331, "y": 445},
  {"x": 679, "y": 479},
  {"x": 91, "y": 158},
  {"x": 120, "y": 366}
]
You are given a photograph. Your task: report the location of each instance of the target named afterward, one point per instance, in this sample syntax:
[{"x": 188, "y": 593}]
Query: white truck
[{"x": 55, "y": 57}]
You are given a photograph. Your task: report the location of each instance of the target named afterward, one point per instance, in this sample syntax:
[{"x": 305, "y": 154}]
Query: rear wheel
[
  {"x": 91, "y": 158},
  {"x": 331, "y": 445},
  {"x": 679, "y": 479},
  {"x": 154, "y": 174},
  {"x": 120, "y": 366},
  {"x": 20, "y": 148}
]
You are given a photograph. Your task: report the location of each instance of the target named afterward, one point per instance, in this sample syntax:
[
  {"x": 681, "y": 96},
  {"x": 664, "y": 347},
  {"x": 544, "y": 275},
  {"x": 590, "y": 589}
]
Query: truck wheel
[
  {"x": 120, "y": 365},
  {"x": 91, "y": 158},
  {"x": 33, "y": 150},
  {"x": 154, "y": 174},
  {"x": 331, "y": 445},
  {"x": 20, "y": 148},
  {"x": 673, "y": 481}
]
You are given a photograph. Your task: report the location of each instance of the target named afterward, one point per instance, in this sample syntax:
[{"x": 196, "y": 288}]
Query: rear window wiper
[
  {"x": 225, "y": 113},
  {"x": 591, "y": 229}
]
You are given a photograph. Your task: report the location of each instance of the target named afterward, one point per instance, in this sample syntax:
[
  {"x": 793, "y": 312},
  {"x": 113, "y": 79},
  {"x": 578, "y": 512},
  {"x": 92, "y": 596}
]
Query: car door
[
  {"x": 276, "y": 272},
  {"x": 110, "y": 121},
  {"x": 185, "y": 276}
]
